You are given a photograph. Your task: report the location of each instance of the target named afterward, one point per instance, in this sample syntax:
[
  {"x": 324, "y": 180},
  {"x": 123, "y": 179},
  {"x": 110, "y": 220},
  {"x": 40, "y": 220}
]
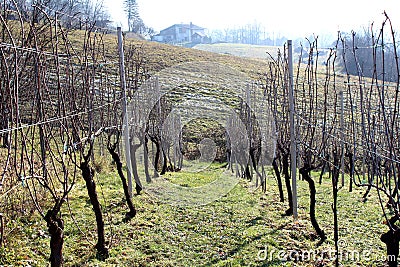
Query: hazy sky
[{"x": 291, "y": 18}]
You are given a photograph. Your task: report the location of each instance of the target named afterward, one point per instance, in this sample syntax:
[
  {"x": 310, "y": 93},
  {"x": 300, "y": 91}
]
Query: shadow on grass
[{"x": 246, "y": 242}]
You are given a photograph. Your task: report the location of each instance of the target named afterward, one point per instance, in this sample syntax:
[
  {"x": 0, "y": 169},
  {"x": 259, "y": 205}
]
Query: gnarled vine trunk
[
  {"x": 285, "y": 169},
  {"x": 55, "y": 226},
  {"x": 278, "y": 178},
  {"x": 305, "y": 174},
  {"x": 164, "y": 163},
  {"x": 391, "y": 240},
  {"x": 87, "y": 173},
  {"x": 146, "y": 158},
  {"x": 117, "y": 160},
  {"x": 134, "y": 148},
  {"x": 157, "y": 155}
]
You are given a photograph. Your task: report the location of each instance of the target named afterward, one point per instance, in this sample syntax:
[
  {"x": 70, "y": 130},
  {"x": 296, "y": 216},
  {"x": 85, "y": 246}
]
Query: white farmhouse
[{"x": 182, "y": 33}]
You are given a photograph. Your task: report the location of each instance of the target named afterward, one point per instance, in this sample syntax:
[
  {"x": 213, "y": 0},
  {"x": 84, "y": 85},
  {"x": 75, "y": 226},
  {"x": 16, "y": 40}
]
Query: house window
[{"x": 182, "y": 30}]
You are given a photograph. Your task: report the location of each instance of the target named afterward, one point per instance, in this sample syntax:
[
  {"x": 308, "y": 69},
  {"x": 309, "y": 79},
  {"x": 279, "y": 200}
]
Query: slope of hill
[
  {"x": 241, "y": 50},
  {"x": 161, "y": 56},
  {"x": 242, "y": 228}
]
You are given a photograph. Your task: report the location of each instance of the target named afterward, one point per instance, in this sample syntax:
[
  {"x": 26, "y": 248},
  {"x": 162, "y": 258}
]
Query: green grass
[
  {"x": 230, "y": 231},
  {"x": 195, "y": 174}
]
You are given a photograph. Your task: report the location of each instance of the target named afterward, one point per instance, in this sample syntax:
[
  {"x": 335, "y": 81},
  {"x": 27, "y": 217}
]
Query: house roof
[
  {"x": 191, "y": 26},
  {"x": 201, "y": 34},
  {"x": 186, "y": 26}
]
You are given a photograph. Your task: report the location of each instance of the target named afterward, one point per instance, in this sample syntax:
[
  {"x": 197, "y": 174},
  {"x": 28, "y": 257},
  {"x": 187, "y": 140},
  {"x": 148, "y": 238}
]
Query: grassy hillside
[
  {"x": 235, "y": 230},
  {"x": 240, "y": 50},
  {"x": 162, "y": 56}
]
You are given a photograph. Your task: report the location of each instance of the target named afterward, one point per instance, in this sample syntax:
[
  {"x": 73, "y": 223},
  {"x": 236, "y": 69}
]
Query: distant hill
[
  {"x": 241, "y": 50},
  {"x": 134, "y": 36}
]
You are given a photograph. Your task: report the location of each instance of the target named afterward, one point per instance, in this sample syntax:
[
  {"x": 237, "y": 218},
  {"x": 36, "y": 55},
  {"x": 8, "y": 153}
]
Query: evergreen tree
[{"x": 132, "y": 12}]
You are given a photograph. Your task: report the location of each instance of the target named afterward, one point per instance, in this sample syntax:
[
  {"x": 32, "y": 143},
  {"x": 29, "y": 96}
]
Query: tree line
[
  {"x": 252, "y": 33},
  {"x": 76, "y": 13}
]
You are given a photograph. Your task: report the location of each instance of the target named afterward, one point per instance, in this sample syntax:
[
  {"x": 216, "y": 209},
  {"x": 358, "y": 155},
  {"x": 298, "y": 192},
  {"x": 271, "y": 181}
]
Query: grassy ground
[
  {"x": 239, "y": 229},
  {"x": 235, "y": 230}
]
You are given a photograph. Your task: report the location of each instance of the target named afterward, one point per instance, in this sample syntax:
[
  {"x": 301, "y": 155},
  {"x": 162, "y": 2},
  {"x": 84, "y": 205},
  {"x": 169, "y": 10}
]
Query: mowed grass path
[{"x": 228, "y": 232}]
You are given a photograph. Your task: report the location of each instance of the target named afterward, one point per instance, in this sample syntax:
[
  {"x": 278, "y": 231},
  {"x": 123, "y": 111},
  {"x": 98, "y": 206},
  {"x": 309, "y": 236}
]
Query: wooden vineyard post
[
  {"x": 342, "y": 134},
  {"x": 292, "y": 130},
  {"x": 125, "y": 110}
]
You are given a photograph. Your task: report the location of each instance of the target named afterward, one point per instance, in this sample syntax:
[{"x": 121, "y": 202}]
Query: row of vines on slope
[
  {"x": 60, "y": 114},
  {"x": 345, "y": 124},
  {"x": 61, "y": 111}
]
